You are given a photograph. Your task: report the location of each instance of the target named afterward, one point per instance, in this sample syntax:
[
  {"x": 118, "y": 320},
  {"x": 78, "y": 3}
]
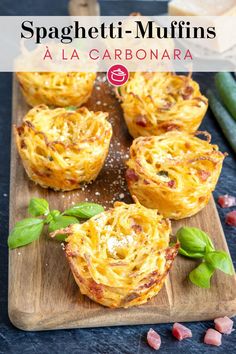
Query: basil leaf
[
  {"x": 190, "y": 254},
  {"x": 38, "y": 207},
  {"x": 201, "y": 275},
  {"x": 52, "y": 215},
  {"x": 25, "y": 232},
  {"x": 84, "y": 210},
  {"x": 71, "y": 108},
  {"x": 194, "y": 242},
  {"x": 60, "y": 222},
  {"x": 220, "y": 260}
]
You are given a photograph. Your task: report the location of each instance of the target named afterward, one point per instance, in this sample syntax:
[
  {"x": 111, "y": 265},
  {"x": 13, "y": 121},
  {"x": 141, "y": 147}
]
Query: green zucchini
[
  {"x": 226, "y": 122},
  {"x": 226, "y": 87}
]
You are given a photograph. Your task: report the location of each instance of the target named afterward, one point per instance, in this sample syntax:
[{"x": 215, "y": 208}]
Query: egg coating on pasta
[
  {"x": 61, "y": 148},
  {"x": 121, "y": 257},
  {"x": 58, "y": 89},
  {"x": 174, "y": 173},
  {"x": 154, "y": 103}
]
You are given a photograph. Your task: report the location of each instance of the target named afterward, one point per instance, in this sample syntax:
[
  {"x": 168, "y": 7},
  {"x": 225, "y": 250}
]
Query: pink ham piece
[
  {"x": 213, "y": 337},
  {"x": 203, "y": 175},
  {"x": 226, "y": 201},
  {"x": 224, "y": 325},
  {"x": 181, "y": 332},
  {"x": 131, "y": 175},
  {"x": 171, "y": 184},
  {"x": 141, "y": 121},
  {"x": 230, "y": 218},
  {"x": 153, "y": 339}
]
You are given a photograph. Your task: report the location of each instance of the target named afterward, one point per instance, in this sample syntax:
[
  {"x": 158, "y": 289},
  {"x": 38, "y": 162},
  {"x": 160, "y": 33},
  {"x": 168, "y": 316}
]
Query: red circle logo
[{"x": 117, "y": 75}]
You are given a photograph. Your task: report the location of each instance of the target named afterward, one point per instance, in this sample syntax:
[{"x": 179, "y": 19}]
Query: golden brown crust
[
  {"x": 174, "y": 173},
  {"x": 121, "y": 257},
  {"x": 55, "y": 88},
  {"x": 61, "y": 149},
  {"x": 154, "y": 103}
]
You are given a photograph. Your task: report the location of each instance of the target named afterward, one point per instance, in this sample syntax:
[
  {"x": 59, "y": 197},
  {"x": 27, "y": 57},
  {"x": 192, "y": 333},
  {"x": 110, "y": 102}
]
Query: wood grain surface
[{"x": 42, "y": 292}]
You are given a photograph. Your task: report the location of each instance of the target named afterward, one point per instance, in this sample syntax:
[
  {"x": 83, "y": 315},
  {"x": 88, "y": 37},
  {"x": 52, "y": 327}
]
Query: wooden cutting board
[{"x": 42, "y": 292}]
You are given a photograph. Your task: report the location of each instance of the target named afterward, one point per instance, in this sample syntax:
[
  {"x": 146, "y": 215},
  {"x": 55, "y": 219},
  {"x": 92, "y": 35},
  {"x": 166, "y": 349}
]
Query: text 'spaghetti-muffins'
[
  {"x": 154, "y": 103},
  {"x": 121, "y": 257},
  {"x": 174, "y": 173},
  {"x": 59, "y": 89},
  {"x": 62, "y": 148}
]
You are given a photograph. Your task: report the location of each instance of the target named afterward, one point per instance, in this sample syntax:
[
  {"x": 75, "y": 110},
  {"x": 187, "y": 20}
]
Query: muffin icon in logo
[{"x": 117, "y": 75}]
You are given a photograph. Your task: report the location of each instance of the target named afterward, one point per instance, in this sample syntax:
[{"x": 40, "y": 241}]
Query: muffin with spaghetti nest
[
  {"x": 59, "y": 89},
  {"x": 155, "y": 103},
  {"x": 174, "y": 173},
  {"x": 63, "y": 148},
  {"x": 121, "y": 257}
]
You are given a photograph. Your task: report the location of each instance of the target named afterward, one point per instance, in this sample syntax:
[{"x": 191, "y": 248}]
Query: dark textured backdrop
[{"x": 113, "y": 340}]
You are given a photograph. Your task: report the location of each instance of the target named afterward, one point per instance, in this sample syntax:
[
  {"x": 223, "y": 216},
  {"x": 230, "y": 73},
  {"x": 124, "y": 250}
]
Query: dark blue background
[{"x": 113, "y": 340}]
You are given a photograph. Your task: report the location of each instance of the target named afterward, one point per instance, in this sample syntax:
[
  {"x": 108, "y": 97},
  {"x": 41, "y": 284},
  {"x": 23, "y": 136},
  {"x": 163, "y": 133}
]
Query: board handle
[{"x": 84, "y": 8}]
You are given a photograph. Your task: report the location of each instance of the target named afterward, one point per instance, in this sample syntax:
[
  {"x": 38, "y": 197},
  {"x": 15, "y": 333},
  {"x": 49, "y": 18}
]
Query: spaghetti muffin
[
  {"x": 121, "y": 257},
  {"x": 56, "y": 88},
  {"x": 174, "y": 172},
  {"x": 154, "y": 103},
  {"x": 61, "y": 148}
]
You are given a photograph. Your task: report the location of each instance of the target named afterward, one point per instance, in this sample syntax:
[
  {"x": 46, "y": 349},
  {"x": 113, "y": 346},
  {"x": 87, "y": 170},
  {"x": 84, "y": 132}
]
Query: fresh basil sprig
[
  {"x": 201, "y": 275},
  {"x": 60, "y": 222},
  {"x": 84, "y": 210},
  {"x": 220, "y": 260},
  {"x": 195, "y": 243},
  {"x": 30, "y": 229},
  {"x": 25, "y": 232},
  {"x": 38, "y": 207}
]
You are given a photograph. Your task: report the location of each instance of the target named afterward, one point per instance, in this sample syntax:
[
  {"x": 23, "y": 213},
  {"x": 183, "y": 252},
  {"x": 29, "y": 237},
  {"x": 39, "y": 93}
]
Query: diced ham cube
[
  {"x": 187, "y": 92},
  {"x": 224, "y": 325},
  {"x": 203, "y": 175},
  {"x": 226, "y": 201},
  {"x": 137, "y": 228},
  {"x": 213, "y": 337},
  {"x": 131, "y": 175},
  {"x": 171, "y": 183},
  {"x": 230, "y": 218},
  {"x": 181, "y": 332},
  {"x": 141, "y": 121},
  {"x": 153, "y": 339}
]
